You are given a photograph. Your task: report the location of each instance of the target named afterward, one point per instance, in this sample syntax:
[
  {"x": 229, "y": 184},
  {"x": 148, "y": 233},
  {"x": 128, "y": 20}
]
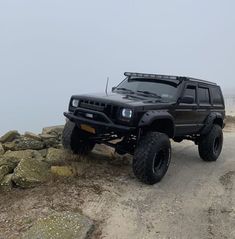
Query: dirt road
[{"x": 196, "y": 199}]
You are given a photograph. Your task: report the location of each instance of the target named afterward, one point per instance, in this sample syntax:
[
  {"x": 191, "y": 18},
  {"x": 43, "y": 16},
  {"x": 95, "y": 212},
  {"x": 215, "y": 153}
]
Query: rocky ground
[{"x": 43, "y": 185}]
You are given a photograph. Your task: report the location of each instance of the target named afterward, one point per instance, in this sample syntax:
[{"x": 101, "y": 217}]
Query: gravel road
[{"x": 196, "y": 199}]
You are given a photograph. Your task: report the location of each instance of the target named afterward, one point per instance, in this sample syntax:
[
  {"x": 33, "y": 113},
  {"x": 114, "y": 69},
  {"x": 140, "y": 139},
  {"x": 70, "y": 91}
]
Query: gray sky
[{"x": 50, "y": 50}]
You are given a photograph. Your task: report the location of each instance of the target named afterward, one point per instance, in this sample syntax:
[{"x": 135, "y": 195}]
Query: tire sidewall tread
[
  {"x": 206, "y": 144},
  {"x": 72, "y": 139},
  {"x": 143, "y": 159}
]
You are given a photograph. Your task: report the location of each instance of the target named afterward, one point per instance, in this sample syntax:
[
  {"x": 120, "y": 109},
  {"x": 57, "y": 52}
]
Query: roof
[{"x": 166, "y": 77}]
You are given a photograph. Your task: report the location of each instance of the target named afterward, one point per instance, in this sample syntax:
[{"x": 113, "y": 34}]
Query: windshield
[{"x": 164, "y": 90}]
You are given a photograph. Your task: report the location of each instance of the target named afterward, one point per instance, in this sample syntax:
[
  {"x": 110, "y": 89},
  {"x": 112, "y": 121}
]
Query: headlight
[
  {"x": 127, "y": 113},
  {"x": 75, "y": 103}
]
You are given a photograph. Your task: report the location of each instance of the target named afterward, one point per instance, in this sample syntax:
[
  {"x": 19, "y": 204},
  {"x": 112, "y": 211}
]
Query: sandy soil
[{"x": 195, "y": 200}]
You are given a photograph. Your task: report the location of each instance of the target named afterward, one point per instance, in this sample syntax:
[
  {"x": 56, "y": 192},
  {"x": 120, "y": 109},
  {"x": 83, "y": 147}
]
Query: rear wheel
[
  {"x": 210, "y": 145},
  {"x": 76, "y": 140},
  {"x": 152, "y": 157}
]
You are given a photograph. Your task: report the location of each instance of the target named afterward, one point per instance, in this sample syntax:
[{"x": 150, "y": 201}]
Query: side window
[
  {"x": 191, "y": 91},
  {"x": 217, "y": 97},
  {"x": 203, "y": 95}
]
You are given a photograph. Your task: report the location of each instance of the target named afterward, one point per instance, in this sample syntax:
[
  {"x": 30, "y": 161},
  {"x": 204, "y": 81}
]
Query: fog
[{"x": 50, "y": 50}]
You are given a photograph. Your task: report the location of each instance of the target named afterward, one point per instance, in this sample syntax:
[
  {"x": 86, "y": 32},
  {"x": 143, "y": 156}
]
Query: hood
[{"x": 121, "y": 99}]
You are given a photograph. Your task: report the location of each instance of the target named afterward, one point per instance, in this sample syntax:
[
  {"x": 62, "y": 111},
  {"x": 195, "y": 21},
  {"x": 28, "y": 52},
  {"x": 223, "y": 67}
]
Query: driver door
[{"x": 186, "y": 114}]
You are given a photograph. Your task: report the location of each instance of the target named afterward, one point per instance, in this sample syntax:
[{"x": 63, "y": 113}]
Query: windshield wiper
[
  {"x": 149, "y": 93},
  {"x": 125, "y": 89}
]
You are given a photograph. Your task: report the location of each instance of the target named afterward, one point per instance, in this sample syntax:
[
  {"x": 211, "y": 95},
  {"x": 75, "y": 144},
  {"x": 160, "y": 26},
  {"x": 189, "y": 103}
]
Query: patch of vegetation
[{"x": 230, "y": 119}]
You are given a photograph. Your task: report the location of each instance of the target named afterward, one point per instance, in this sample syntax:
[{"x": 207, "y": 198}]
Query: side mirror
[
  {"x": 187, "y": 99},
  {"x": 114, "y": 88}
]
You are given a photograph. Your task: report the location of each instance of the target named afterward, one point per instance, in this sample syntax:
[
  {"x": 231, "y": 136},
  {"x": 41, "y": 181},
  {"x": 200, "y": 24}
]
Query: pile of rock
[
  {"x": 26, "y": 160},
  {"x": 50, "y": 137}
]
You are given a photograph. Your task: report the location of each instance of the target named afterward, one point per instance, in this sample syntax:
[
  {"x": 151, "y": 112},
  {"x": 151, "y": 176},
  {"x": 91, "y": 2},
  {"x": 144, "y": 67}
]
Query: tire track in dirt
[{"x": 221, "y": 213}]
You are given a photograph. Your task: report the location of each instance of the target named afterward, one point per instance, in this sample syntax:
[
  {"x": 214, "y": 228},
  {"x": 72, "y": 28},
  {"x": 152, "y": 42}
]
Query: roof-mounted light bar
[{"x": 154, "y": 76}]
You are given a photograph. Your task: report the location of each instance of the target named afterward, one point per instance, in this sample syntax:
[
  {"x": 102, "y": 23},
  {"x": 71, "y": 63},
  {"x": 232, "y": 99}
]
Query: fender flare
[
  {"x": 150, "y": 116},
  {"x": 210, "y": 121}
]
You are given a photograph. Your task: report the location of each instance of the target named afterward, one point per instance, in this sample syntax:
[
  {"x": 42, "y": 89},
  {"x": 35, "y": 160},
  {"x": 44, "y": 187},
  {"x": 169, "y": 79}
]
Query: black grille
[
  {"x": 109, "y": 109},
  {"x": 92, "y": 105}
]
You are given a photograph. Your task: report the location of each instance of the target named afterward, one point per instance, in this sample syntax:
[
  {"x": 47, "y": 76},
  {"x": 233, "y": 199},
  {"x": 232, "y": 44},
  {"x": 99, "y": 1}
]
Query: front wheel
[
  {"x": 152, "y": 157},
  {"x": 210, "y": 145},
  {"x": 76, "y": 140}
]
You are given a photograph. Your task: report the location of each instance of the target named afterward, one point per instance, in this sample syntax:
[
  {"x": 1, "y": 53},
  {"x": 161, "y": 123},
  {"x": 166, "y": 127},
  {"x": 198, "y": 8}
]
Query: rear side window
[
  {"x": 203, "y": 95},
  {"x": 191, "y": 91},
  {"x": 216, "y": 96}
]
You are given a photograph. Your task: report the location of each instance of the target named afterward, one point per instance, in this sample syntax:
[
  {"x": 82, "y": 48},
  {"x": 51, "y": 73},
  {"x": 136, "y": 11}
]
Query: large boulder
[
  {"x": 9, "y": 136},
  {"x": 30, "y": 172},
  {"x": 65, "y": 225},
  {"x": 2, "y": 151},
  {"x": 63, "y": 171},
  {"x": 6, "y": 183},
  {"x": 55, "y": 156},
  {"x": 52, "y": 136},
  {"x": 51, "y": 140},
  {"x": 43, "y": 152},
  {"x": 60, "y": 156},
  {"x": 9, "y": 162},
  {"x": 23, "y": 144},
  {"x": 12, "y": 158},
  {"x": 31, "y": 135},
  {"x": 53, "y": 130},
  {"x": 4, "y": 170}
]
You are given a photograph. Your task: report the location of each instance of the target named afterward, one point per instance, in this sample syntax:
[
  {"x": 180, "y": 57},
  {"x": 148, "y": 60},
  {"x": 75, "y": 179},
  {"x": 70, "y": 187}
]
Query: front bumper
[{"x": 106, "y": 125}]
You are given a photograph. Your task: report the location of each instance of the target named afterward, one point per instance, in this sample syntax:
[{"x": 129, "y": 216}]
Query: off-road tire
[
  {"x": 210, "y": 145},
  {"x": 154, "y": 148},
  {"x": 75, "y": 140}
]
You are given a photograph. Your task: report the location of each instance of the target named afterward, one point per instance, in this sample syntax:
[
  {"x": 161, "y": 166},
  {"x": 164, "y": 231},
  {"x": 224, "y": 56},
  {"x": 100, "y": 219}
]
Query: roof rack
[
  {"x": 202, "y": 81},
  {"x": 166, "y": 77}
]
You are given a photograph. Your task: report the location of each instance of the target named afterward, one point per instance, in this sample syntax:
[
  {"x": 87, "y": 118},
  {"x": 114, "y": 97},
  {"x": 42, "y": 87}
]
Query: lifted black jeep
[{"x": 142, "y": 113}]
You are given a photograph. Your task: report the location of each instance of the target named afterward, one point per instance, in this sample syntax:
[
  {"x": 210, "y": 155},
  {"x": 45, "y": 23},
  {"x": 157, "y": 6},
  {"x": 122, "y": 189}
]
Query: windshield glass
[{"x": 164, "y": 90}]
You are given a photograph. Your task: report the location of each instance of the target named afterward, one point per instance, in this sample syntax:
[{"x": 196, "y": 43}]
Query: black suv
[{"x": 140, "y": 116}]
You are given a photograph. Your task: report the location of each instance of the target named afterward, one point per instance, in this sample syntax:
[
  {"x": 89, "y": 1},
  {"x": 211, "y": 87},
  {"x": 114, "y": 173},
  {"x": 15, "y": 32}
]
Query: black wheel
[
  {"x": 76, "y": 140},
  {"x": 152, "y": 157},
  {"x": 210, "y": 145}
]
